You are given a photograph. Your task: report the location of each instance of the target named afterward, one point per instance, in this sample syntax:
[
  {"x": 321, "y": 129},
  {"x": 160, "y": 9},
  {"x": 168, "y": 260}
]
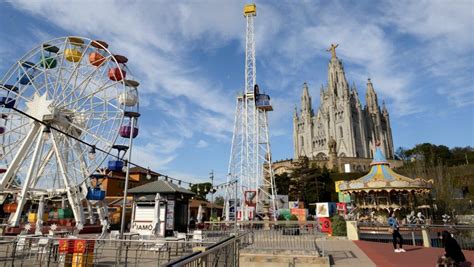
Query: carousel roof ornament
[{"x": 382, "y": 178}]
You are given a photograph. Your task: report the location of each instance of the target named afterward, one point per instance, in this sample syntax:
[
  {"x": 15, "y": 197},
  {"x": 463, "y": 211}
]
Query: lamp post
[
  {"x": 211, "y": 174},
  {"x": 133, "y": 117}
]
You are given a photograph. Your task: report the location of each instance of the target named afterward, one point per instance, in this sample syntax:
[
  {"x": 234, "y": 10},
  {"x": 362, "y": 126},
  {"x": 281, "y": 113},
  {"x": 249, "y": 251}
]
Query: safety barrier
[
  {"x": 223, "y": 253},
  {"x": 46, "y": 251},
  {"x": 420, "y": 235}
]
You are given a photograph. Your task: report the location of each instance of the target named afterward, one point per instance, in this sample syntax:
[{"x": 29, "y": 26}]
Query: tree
[
  {"x": 201, "y": 190},
  {"x": 282, "y": 183},
  {"x": 219, "y": 200}
]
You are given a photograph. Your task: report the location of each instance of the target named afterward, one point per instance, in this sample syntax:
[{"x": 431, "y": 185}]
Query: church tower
[{"x": 340, "y": 118}]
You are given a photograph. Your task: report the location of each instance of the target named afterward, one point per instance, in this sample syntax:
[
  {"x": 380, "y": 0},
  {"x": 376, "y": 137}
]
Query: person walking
[
  {"x": 394, "y": 228},
  {"x": 452, "y": 248}
]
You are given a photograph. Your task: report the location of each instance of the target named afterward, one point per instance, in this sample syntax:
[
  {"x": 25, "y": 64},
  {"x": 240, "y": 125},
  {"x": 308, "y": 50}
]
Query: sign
[
  {"x": 342, "y": 197},
  {"x": 282, "y": 201},
  {"x": 347, "y": 167},
  {"x": 300, "y": 213},
  {"x": 250, "y": 198},
  {"x": 322, "y": 210},
  {"x": 285, "y": 213},
  {"x": 341, "y": 208},
  {"x": 336, "y": 185},
  {"x": 325, "y": 209},
  {"x": 170, "y": 215},
  {"x": 293, "y": 204},
  {"x": 326, "y": 226}
]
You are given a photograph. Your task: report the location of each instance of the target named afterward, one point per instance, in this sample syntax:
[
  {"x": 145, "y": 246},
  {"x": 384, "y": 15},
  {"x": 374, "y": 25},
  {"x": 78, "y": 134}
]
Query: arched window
[
  {"x": 302, "y": 141},
  {"x": 341, "y": 134}
]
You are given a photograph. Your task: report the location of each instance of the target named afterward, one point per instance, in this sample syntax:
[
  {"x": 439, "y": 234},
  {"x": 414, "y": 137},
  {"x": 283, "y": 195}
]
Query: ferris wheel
[{"x": 63, "y": 106}]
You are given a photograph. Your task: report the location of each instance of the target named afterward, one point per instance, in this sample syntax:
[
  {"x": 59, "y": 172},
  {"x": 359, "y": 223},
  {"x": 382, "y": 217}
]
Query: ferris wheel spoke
[
  {"x": 96, "y": 137},
  {"x": 98, "y": 90},
  {"x": 85, "y": 82}
]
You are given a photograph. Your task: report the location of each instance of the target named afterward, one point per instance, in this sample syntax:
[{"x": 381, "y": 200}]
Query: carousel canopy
[{"x": 382, "y": 177}]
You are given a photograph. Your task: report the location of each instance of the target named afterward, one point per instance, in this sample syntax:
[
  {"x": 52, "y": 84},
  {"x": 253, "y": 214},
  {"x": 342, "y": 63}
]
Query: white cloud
[
  {"x": 149, "y": 156},
  {"x": 202, "y": 144}
]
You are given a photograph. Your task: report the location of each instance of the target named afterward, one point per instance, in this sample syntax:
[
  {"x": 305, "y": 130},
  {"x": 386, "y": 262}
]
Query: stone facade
[{"x": 341, "y": 123}]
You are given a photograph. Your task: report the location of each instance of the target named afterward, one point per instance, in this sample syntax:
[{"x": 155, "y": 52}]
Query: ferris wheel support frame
[
  {"x": 19, "y": 156},
  {"x": 72, "y": 193},
  {"x": 21, "y": 199}
]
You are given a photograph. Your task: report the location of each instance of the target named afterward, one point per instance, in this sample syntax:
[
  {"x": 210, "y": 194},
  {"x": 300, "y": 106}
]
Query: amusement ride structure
[
  {"x": 250, "y": 158},
  {"x": 63, "y": 106}
]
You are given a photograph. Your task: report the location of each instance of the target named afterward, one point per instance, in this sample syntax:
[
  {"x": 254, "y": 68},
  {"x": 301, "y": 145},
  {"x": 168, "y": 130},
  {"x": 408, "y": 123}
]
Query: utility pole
[{"x": 211, "y": 175}]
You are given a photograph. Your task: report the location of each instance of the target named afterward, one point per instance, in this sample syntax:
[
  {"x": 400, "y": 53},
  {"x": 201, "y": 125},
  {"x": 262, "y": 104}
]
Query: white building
[{"x": 352, "y": 129}]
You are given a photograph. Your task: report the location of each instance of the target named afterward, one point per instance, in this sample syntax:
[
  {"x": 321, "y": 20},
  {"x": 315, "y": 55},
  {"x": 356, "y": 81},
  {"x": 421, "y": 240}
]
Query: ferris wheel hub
[{"x": 39, "y": 107}]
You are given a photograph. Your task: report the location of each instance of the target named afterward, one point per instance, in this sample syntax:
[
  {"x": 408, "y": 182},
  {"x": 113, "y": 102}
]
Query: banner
[
  {"x": 300, "y": 213},
  {"x": 322, "y": 210},
  {"x": 250, "y": 198}
]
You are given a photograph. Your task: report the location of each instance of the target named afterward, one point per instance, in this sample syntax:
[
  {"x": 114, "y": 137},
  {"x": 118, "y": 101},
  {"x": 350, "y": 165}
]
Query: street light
[
  {"x": 92, "y": 153},
  {"x": 212, "y": 192},
  {"x": 133, "y": 117},
  {"x": 46, "y": 132},
  {"x": 148, "y": 174}
]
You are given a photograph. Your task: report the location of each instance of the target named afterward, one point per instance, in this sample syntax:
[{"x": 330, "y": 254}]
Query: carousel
[{"x": 382, "y": 191}]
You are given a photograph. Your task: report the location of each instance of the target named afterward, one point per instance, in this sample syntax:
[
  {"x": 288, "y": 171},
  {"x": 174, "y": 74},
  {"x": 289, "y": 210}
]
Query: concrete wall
[{"x": 282, "y": 258}]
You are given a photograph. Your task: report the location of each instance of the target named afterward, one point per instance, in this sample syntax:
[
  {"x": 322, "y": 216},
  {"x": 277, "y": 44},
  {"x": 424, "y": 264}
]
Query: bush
[
  {"x": 338, "y": 225},
  {"x": 293, "y": 217},
  {"x": 281, "y": 217}
]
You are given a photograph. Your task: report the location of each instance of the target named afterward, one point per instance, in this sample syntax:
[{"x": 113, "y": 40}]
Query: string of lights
[{"x": 93, "y": 149}]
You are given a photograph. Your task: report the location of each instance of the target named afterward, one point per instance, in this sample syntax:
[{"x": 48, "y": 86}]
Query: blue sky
[{"x": 189, "y": 58}]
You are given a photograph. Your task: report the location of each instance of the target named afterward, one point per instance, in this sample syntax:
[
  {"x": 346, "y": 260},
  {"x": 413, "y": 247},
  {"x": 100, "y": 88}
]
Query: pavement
[
  {"x": 382, "y": 254},
  {"x": 345, "y": 253}
]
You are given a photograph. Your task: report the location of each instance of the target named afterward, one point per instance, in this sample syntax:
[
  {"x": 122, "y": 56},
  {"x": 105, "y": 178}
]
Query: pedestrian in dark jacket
[
  {"x": 394, "y": 228},
  {"x": 452, "y": 248}
]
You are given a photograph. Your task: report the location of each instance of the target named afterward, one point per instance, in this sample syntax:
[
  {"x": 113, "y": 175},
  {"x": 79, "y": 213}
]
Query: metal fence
[
  {"x": 45, "y": 251},
  {"x": 286, "y": 235},
  {"x": 412, "y": 234},
  {"x": 223, "y": 253}
]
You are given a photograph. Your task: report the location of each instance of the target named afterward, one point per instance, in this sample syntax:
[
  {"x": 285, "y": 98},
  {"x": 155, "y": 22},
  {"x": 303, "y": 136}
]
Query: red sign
[
  {"x": 81, "y": 246},
  {"x": 341, "y": 208},
  {"x": 66, "y": 246},
  {"x": 326, "y": 226}
]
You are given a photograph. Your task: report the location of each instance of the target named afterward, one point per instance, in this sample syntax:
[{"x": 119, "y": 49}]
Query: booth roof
[{"x": 160, "y": 187}]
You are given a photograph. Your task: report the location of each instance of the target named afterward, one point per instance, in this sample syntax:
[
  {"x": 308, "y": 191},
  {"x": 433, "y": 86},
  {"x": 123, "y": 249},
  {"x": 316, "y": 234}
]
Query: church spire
[
  {"x": 384, "y": 109},
  {"x": 371, "y": 97},
  {"x": 306, "y": 100},
  {"x": 337, "y": 83}
]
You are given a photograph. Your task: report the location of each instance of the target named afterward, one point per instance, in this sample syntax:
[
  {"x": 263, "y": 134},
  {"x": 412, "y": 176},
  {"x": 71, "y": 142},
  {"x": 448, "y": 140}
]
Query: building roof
[
  {"x": 194, "y": 203},
  {"x": 382, "y": 177},
  {"x": 159, "y": 187}
]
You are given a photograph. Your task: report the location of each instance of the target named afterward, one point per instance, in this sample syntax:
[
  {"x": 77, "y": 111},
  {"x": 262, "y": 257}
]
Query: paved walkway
[
  {"x": 344, "y": 253},
  {"x": 382, "y": 254}
]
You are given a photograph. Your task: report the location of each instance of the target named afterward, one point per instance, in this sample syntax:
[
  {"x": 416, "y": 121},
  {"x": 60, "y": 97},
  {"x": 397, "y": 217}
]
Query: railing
[
  {"x": 223, "y": 253},
  {"x": 413, "y": 234},
  {"x": 45, "y": 251},
  {"x": 279, "y": 235}
]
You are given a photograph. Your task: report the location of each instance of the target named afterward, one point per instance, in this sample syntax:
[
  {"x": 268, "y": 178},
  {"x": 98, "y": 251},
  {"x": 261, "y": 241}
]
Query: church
[{"x": 341, "y": 125}]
